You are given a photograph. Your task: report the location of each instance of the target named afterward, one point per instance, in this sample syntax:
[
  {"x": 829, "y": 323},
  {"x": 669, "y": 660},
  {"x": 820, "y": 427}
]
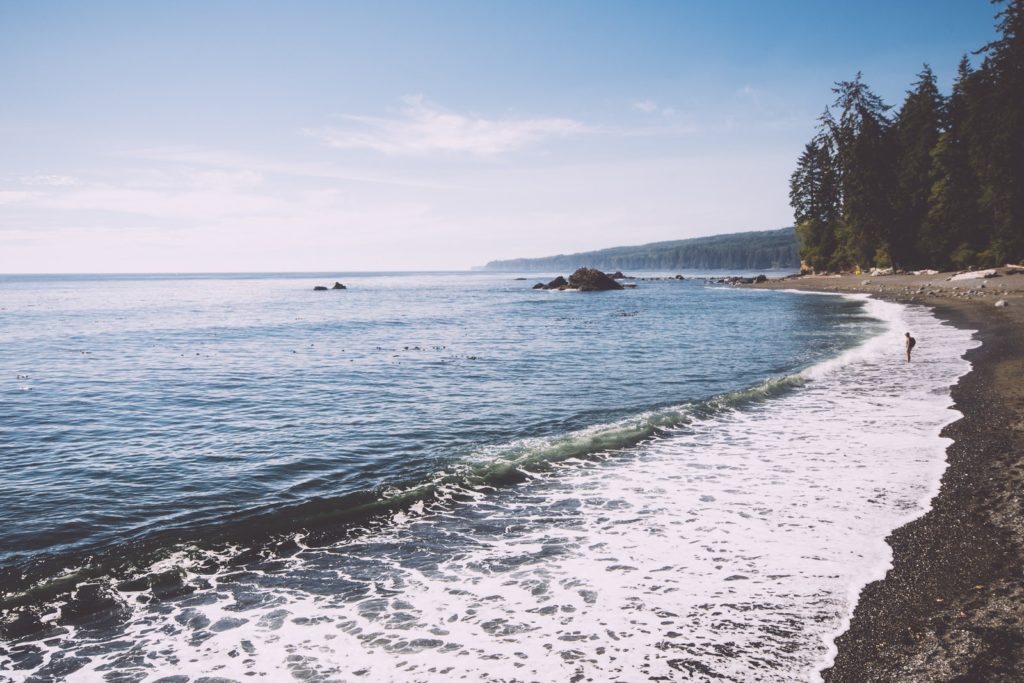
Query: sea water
[{"x": 432, "y": 477}]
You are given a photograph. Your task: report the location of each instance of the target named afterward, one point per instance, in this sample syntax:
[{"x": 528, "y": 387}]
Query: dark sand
[{"x": 952, "y": 606}]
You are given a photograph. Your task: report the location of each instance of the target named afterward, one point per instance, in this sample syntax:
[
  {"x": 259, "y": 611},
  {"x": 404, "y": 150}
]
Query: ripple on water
[{"x": 732, "y": 549}]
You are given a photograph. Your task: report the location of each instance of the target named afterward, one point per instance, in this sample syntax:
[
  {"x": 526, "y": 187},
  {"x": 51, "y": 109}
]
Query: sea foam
[{"x": 731, "y": 546}]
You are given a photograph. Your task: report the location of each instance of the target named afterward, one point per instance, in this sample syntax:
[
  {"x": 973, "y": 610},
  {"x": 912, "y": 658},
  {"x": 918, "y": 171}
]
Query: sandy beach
[{"x": 952, "y": 606}]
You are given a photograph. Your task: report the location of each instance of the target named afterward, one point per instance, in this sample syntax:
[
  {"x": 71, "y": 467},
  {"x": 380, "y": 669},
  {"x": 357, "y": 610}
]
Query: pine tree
[
  {"x": 942, "y": 185},
  {"x": 953, "y": 233},
  {"x": 917, "y": 132},
  {"x": 865, "y": 155},
  {"x": 814, "y": 196},
  {"x": 1000, "y": 162}
]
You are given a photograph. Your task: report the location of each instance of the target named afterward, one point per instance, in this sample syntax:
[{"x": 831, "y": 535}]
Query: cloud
[
  {"x": 15, "y": 196},
  {"x": 49, "y": 180},
  {"x": 652, "y": 107},
  {"x": 225, "y": 179},
  {"x": 422, "y": 128},
  {"x": 262, "y": 166},
  {"x": 752, "y": 95}
]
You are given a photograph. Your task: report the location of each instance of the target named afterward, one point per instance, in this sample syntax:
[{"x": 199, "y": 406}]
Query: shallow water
[{"x": 431, "y": 477}]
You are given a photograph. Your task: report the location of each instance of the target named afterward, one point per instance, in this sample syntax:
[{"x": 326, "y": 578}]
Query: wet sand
[{"x": 952, "y": 606}]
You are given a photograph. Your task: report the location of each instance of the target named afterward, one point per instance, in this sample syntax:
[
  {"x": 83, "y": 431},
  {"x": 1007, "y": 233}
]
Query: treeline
[
  {"x": 938, "y": 184},
  {"x": 757, "y": 250}
]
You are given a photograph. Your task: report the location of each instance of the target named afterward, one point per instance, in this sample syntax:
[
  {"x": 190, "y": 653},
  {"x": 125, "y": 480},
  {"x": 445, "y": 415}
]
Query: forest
[
  {"x": 938, "y": 183},
  {"x": 747, "y": 251}
]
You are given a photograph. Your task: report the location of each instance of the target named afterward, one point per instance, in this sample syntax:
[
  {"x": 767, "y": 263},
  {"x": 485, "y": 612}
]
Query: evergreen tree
[
  {"x": 865, "y": 157},
  {"x": 917, "y": 132},
  {"x": 999, "y": 160},
  {"x": 952, "y": 233},
  {"x": 942, "y": 185},
  {"x": 814, "y": 196}
]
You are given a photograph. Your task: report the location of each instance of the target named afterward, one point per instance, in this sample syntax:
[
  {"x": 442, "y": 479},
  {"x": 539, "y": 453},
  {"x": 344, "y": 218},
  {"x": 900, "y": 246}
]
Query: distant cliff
[{"x": 759, "y": 250}]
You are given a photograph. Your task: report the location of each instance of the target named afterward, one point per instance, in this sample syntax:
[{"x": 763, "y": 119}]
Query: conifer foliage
[{"x": 939, "y": 183}]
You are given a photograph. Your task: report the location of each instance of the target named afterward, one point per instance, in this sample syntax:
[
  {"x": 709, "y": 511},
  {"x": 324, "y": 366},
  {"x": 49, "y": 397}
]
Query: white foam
[{"x": 734, "y": 547}]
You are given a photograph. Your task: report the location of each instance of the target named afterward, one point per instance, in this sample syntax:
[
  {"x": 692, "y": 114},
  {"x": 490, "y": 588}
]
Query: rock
[
  {"x": 617, "y": 275},
  {"x": 865, "y": 282},
  {"x": 519, "y": 278},
  {"x": 338, "y": 285},
  {"x": 540, "y": 285},
  {"x": 1001, "y": 303},
  {"x": 592, "y": 280},
  {"x": 760, "y": 278},
  {"x": 319, "y": 288},
  {"x": 556, "y": 283}
]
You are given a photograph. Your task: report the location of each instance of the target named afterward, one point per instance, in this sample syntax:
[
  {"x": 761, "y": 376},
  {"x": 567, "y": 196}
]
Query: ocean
[{"x": 450, "y": 476}]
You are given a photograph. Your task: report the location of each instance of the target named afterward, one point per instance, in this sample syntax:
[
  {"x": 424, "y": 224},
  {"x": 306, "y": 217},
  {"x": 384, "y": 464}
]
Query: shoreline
[{"x": 951, "y": 607}]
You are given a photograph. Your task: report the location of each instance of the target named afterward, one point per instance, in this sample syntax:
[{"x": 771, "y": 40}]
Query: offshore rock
[
  {"x": 592, "y": 280},
  {"x": 338, "y": 285},
  {"x": 556, "y": 283},
  {"x": 319, "y": 288}
]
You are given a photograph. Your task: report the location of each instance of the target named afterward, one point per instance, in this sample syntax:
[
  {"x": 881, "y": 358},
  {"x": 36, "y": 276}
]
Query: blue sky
[{"x": 233, "y": 136}]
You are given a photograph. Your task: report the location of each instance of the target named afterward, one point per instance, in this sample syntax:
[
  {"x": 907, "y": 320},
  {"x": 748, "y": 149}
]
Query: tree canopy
[{"x": 939, "y": 183}]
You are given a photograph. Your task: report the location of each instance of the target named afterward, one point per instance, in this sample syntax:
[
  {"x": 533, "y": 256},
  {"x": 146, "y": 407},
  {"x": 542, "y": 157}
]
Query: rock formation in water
[
  {"x": 592, "y": 280},
  {"x": 583, "y": 280}
]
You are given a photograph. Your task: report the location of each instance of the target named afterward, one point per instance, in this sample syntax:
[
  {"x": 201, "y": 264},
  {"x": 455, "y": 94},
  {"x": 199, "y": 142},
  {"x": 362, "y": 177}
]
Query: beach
[{"x": 951, "y": 608}]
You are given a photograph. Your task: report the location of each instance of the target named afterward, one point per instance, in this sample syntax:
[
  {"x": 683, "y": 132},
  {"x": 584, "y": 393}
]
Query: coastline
[{"x": 952, "y": 605}]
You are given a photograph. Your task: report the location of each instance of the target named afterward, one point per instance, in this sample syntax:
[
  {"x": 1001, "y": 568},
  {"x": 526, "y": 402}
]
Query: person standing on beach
[{"x": 910, "y": 345}]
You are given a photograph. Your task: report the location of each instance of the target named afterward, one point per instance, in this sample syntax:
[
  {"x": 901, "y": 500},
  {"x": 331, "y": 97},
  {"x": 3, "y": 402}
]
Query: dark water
[
  {"x": 141, "y": 415},
  {"x": 153, "y": 404}
]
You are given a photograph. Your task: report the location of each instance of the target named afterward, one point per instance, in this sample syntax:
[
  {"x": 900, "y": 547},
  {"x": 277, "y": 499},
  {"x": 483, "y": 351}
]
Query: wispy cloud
[
  {"x": 15, "y": 196},
  {"x": 49, "y": 180},
  {"x": 421, "y": 128},
  {"x": 265, "y": 166},
  {"x": 751, "y": 94},
  {"x": 652, "y": 107}
]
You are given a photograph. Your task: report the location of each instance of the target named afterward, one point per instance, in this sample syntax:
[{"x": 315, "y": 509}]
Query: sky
[{"x": 220, "y": 136}]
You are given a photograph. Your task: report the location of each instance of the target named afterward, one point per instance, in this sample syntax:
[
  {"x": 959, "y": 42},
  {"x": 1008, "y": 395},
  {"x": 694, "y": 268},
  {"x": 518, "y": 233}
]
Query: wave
[
  {"x": 642, "y": 536},
  {"x": 263, "y": 533}
]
